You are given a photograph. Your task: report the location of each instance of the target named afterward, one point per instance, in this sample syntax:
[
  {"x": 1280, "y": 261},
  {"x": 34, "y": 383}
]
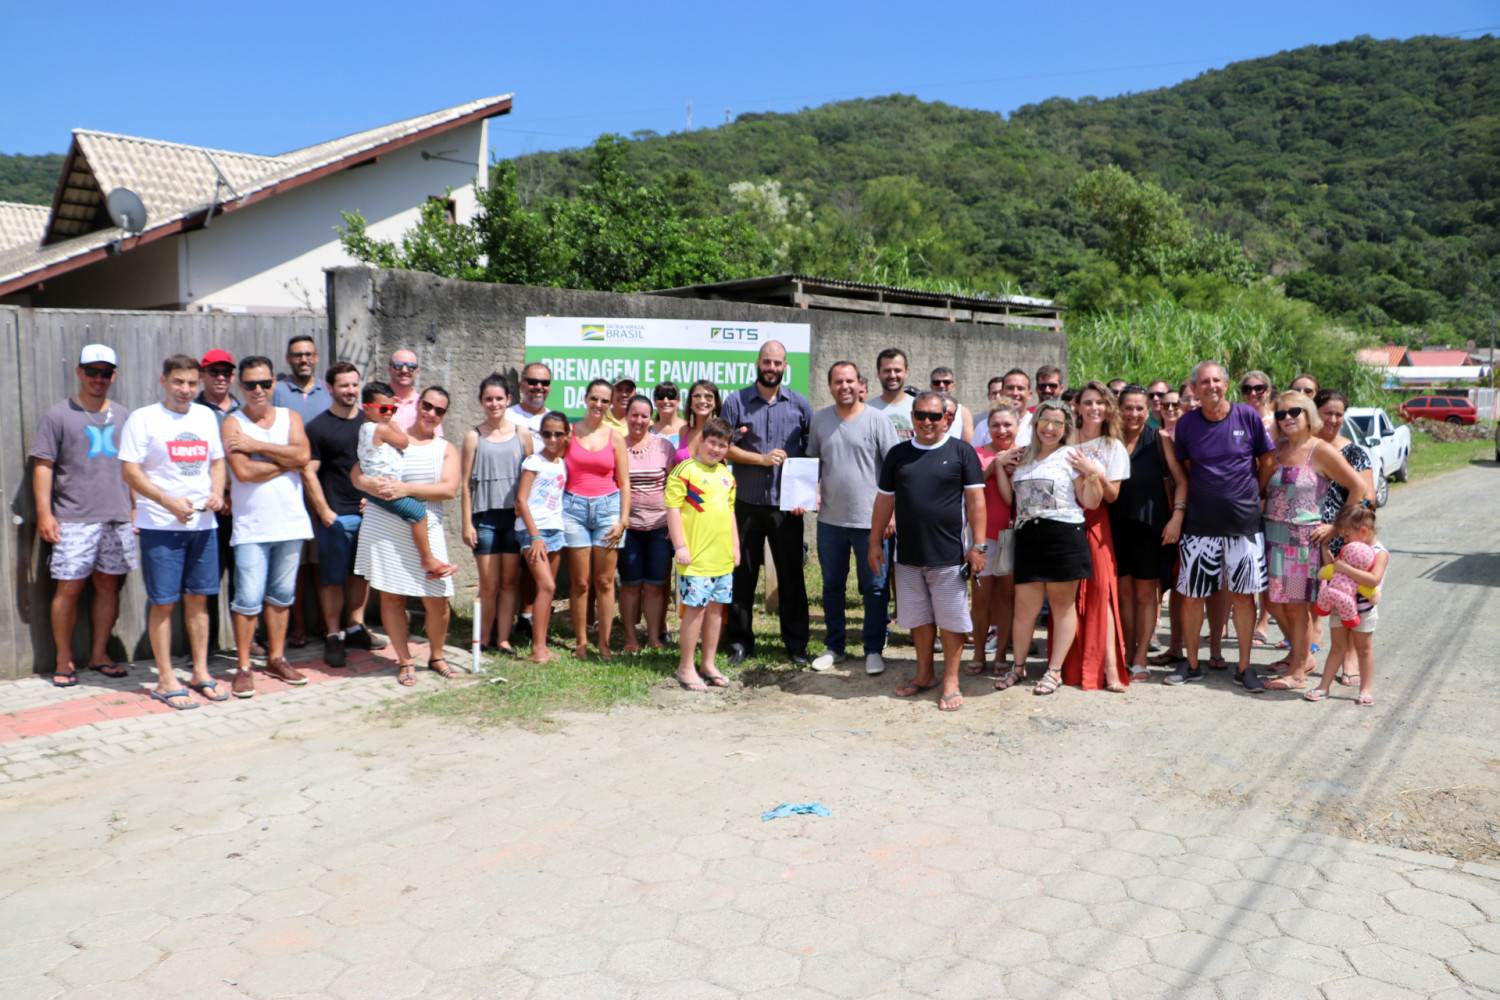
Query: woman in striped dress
[{"x": 387, "y": 557}]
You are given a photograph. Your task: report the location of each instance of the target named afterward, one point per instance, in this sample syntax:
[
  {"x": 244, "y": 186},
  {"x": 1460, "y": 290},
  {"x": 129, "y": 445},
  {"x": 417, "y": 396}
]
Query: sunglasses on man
[
  {"x": 98, "y": 371},
  {"x": 220, "y": 371},
  {"x": 404, "y": 366},
  {"x": 930, "y": 416},
  {"x": 540, "y": 383},
  {"x": 265, "y": 384}
]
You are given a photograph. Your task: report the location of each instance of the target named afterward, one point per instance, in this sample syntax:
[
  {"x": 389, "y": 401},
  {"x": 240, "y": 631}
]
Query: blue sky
[{"x": 268, "y": 77}]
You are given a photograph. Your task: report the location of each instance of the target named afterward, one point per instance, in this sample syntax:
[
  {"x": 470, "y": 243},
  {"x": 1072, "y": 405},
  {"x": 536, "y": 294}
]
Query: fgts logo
[{"x": 740, "y": 334}]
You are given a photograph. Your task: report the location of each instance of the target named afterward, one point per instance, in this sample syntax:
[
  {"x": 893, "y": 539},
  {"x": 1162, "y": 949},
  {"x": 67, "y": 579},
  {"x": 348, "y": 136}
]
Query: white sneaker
[
  {"x": 874, "y": 664},
  {"x": 992, "y": 641},
  {"x": 827, "y": 661}
]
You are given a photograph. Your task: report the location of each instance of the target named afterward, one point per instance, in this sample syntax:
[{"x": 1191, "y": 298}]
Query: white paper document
[{"x": 799, "y": 484}]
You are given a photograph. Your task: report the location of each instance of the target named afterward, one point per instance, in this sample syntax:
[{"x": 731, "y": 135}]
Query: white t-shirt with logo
[
  {"x": 175, "y": 451},
  {"x": 546, "y": 499}
]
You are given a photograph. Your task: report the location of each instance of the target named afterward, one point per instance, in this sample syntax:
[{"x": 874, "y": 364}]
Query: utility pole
[{"x": 689, "y": 116}]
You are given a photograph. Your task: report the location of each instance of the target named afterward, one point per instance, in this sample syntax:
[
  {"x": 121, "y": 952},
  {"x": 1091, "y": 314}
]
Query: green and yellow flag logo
[{"x": 593, "y": 331}]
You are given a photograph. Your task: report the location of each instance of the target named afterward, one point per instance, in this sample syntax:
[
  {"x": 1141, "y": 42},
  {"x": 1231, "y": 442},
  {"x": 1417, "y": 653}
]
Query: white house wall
[
  {"x": 142, "y": 278},
  {"x": 271, "y": 255}
]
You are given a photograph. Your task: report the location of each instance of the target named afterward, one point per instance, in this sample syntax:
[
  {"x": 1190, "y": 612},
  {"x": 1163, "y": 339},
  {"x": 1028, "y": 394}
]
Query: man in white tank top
[{"x": 266, "y": 447}]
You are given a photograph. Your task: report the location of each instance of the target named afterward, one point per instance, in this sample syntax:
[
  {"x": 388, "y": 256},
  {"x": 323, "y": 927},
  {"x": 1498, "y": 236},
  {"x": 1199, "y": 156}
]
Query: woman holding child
[{"x": 427, "y": 472}]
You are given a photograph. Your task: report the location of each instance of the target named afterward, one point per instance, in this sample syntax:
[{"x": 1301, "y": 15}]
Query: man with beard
[
  {"x": 771, "y": 423},
  {"x": 301, "y": 391},
  {"x": 404, "y": 370},
  {"x": 333, "y": 442},
  {"x": 850, "y": 441},
  {"x": 536, "y": 383},
  {"x": 894, "y": 401}
]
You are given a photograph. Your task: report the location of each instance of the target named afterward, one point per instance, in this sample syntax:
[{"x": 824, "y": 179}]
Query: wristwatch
[{"x": 981, "y": 547}]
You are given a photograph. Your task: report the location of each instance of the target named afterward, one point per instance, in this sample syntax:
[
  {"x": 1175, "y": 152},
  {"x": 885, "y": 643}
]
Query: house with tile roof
[{"x": 233, "y": 231}]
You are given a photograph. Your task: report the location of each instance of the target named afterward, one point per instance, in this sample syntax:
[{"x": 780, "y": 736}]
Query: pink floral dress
[{"x": 1292, "y": 512}]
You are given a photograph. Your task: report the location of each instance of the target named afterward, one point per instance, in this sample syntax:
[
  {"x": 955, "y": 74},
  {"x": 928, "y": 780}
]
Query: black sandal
[{"x": 446, "y": 672}]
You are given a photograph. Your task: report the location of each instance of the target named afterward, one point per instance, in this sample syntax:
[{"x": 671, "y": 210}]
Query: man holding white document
[
  {"x": 850, "y": 440},
  {"x": 770, "y": 424}
]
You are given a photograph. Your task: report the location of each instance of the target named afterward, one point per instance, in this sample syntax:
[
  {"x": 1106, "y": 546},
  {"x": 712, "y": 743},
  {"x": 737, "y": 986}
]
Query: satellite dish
[{"x": 126, "y": 210}]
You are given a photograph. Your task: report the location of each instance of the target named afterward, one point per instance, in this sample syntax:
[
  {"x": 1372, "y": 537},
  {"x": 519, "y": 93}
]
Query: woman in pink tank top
[{"x": 596, "y": 508}]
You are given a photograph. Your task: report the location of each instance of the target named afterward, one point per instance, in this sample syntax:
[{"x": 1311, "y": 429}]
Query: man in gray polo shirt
[{"x": 850, "y": 440}]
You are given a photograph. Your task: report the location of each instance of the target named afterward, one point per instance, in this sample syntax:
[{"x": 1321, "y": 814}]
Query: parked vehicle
[
  {"x": 1388, "y": 445},
  {"x": 1449, "y": 409}
]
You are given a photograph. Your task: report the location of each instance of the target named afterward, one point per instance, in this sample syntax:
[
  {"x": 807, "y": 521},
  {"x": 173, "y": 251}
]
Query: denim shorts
[
  {"x": 496, "y": 531},
  {"x": 646, "y": 557},
  {"x": 551, "y": 537},
  {"x": 174, "y": 563},
  {"x": 336, "y": 546},
  {"x": 265, "y": 573},
  {"x": 586, "y": 520},
  {"x": 699, "y": 591}
]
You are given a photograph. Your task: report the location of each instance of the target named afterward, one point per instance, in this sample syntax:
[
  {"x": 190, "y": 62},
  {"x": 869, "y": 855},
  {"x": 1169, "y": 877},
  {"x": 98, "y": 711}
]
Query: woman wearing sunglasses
[
  {"x": 1294, "y": 489},
  {"x": 387, "y": 556},
  {"x": 1049, "y": 491},
  {"x": 596, "y": 509}
]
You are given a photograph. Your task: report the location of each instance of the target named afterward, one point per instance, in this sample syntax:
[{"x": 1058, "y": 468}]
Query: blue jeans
[
  {"x": 265, "y": 573},
  {"x": 834, "y": 546}
]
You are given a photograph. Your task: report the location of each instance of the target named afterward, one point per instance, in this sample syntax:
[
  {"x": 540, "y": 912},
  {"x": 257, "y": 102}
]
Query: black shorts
[
  {"x": 1052, "y": 552},
  {"x": 1139, "y": 552}
]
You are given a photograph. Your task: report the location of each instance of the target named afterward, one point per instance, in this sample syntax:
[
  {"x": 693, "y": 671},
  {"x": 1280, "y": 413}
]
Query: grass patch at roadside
[
  {"x": 532, "y": 692},
  {"x": 1430, "y": 458}
]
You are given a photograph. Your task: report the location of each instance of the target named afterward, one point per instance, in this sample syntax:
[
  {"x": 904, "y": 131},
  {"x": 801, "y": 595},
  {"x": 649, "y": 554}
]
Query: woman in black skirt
[
  {"x": 1049, "y": 492},
  {"x": 1145, "y": 534}
]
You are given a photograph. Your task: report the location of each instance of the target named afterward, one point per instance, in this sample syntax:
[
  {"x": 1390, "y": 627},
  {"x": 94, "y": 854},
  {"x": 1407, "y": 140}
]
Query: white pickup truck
[{"x": 1388, "y": 445}]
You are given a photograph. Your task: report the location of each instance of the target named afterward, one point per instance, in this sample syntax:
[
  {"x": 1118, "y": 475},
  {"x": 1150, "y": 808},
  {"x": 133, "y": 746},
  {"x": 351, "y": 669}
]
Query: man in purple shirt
[{"x": 1223, "y": 445}]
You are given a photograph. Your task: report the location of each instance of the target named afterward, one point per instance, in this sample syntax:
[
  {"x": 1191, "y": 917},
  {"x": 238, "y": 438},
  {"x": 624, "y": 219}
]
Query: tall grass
[{"x": 1165, "y": 339}]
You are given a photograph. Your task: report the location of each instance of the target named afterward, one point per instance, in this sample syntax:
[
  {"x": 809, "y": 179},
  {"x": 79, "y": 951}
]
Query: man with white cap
[{"x": 83, "y": 510}]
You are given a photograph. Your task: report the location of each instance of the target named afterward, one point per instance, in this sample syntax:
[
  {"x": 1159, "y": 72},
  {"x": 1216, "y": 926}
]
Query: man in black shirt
[
  {"x": 932, "y": 484},
  {"x": 333, "y": 437}
]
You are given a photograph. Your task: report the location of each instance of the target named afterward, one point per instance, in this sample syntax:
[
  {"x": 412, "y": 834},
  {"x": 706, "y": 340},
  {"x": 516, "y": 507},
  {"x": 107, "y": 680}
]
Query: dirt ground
[{"x": 1420, "y": 770}]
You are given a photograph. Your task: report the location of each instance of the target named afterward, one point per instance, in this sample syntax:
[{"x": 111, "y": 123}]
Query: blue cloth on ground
[{"x": 795, "y": 809}]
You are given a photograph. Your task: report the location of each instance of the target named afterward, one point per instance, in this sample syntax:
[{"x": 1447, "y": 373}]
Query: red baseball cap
[{"x": 217, "y": 356}]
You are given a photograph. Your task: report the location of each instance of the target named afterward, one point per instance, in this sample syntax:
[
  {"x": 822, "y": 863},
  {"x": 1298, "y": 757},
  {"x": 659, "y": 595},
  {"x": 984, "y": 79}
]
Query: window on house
[{"x": 448, "y": 205}]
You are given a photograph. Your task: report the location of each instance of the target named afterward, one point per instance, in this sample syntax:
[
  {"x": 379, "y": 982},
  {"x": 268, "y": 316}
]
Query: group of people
[{"x": 1087, "y": 503}]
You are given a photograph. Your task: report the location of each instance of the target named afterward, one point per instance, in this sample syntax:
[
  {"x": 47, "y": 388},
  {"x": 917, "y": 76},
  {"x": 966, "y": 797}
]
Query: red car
[{"x": 1450, "y": 409}]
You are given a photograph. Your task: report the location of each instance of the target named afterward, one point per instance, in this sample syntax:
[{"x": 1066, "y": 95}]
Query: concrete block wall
[{"x": 462, "y": 331}]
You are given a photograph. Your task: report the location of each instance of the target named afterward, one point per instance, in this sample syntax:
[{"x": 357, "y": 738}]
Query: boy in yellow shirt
[{"x": 701, "y": 524}]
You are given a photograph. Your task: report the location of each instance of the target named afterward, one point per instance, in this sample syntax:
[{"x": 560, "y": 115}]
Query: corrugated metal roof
[
  {"x": 176, "y": 181},
  {"x": 21, "y": 225}
]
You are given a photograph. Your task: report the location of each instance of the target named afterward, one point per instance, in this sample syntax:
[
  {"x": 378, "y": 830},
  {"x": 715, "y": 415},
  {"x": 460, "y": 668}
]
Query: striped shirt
[{"x": 387, "y": 556}]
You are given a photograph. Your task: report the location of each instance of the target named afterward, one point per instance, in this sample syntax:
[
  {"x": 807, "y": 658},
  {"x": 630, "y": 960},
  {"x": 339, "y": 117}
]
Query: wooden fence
[{"x": 38, "y": 354}]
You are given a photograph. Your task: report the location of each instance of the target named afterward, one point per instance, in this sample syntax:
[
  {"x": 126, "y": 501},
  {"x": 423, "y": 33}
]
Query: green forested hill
[
  {"x": 30, "y": 179},
  {"x": 1364, "y": 175}
]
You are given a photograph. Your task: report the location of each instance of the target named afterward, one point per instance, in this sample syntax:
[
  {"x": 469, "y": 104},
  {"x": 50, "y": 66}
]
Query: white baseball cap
[{"x": 94, "y": 354}]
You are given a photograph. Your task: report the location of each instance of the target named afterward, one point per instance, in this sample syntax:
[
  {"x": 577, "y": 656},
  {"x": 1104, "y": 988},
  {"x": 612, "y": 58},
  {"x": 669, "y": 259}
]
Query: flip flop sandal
[
  {"x": 1163, "y": 659},
  {"x": 1008, "y": 680},
  {"x": 1316, "y": 694},
  {"x": 951, "y": 702},
  {"x": 913, "y": 689},
  {"x": 1283, "y": 684},
  {"x": 407, "y": 675},
  {"x": 165, "y": 697},
  {"x": 1365, "y": 701},
  {"x": 1260, "y": 638},
  {"x": 974, "y": 669},
  {"x": 718, "y": 681},
  {"x": 206, "y": 687},
  {"x": 688, "y": 686},
  {"x": 67, "y": 680},
  {"x": 1049, "y": 683},
  {"x": 115, "y": 670},
  {"x": 1140, "y": 674},
  {"x": 1348, "y": 680}
]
